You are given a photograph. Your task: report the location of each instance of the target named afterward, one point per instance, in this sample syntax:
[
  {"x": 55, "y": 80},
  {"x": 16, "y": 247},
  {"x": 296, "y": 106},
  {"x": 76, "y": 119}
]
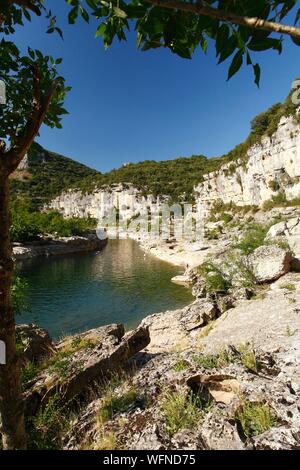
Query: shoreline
[
  {"x": 178, "y": 253},
  {"x": 57, "y": 246}
]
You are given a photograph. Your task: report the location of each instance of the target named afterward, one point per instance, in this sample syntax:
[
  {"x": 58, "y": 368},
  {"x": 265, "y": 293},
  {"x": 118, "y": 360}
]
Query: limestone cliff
[
  {"x": 127, "y": 199},
  {"x": 272, "y": 166}
]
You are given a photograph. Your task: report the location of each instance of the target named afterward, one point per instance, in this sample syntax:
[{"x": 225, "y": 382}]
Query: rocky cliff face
[
  {"x": 127, "y": 199},
  {"x": 271, "y": 167}
]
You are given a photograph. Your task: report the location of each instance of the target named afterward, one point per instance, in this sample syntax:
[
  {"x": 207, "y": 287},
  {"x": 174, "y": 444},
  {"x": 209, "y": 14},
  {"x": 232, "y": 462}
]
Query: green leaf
[
  {"x": 266, "y": 44},
  {"x": 119, "y": 13},
  {"x": 101, "y": 30},
  {"x": 31, "y": 53},
  {"x": 257, "y": 73},
  {"x": 73, "y": 15},
  {"x": 84, "y": 14},
  {"x": 236, "y": 64},
  {"x": 295, "y": 40},
  {"x": 228, "y": 49}
]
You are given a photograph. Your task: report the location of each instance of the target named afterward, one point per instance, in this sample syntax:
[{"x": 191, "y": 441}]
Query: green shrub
[
  {"x": 46, "y": 430},
  {"x": 19, "y": 293},
  {"x": 236, "y": 267},
  {"x": 254, "y": 418},
  {"x": 214, "y": 279},
  {"x": 288, "y": 286},
  {"x": 227, "y": 217},
  {"x": 180, "y": 365},
  {"x": 28, "y": 225},
  {"x": 253, "y": 238},
  {"x": 273, "y": 185}
]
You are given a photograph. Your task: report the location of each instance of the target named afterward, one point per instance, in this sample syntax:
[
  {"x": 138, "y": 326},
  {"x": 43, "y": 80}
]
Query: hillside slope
[
  {"x": 47, "y": 174},
  {"x": 178, "y": 177},
  {"x": 44, "y": 174}
]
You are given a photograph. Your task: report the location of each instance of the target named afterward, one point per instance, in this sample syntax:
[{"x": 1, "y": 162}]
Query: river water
[{"x": 121, "y": 284}]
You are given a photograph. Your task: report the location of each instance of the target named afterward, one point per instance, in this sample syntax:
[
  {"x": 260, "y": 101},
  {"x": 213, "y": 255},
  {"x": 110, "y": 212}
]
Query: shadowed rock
[
  {"x": 33, "y": 342},
  {"x": 82, "y": 360}
]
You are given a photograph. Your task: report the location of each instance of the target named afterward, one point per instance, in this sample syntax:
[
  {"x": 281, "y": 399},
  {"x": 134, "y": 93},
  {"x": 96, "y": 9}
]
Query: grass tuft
[
  {"x": 180, "y": 411},
  {"x": 254, "y": 418},
  {"x": 114, "y": 404},
  {"x": 180, "y": 365},
  {"x": 213, "y": 361},
  {"x": 248, "y": 357}
]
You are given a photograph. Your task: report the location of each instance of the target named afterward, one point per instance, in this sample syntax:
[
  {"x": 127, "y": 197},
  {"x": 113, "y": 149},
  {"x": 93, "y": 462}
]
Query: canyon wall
[
  {"x": 128, "y": 200},
  {"x": 271, "y": 167}
]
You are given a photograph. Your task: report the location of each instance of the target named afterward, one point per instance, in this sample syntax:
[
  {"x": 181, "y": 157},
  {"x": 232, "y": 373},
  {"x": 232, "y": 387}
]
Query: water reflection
[{"x": 119, "y": 284}]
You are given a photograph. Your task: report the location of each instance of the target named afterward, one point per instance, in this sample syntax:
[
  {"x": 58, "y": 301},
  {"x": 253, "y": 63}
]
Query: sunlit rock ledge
[{"x": 49, "y": 246}]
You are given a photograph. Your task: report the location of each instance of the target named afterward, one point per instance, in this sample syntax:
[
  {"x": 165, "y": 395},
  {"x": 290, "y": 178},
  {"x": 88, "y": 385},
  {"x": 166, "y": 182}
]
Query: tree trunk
[{"x": 11, "y": 400}]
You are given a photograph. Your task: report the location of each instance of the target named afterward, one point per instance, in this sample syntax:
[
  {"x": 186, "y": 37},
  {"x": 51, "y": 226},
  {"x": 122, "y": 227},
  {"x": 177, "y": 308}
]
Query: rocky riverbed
[{"x": 222, "y": 373}]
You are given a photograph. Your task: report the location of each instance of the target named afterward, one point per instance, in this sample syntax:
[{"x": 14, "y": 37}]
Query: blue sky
[{"x": 127, "y": 106}]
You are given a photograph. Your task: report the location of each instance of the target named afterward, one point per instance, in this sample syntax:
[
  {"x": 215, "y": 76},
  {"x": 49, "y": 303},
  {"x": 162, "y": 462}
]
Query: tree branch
[
  {"x": 40, "y": 106},
  {"x": 202, "y": 9},
  {"x": 29, "y": 4}
]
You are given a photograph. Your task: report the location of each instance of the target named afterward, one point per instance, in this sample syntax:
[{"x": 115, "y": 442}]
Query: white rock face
[
  {"x": 291, "y": 230},
  {"x": 272, "y": 166},
  {"x": 269, "y": 263},
  {"x": 274, "y": 163},
  {"x": 128, "y": 200}
]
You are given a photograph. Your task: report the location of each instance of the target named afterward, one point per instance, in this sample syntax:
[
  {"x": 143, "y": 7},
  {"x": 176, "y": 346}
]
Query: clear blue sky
[{"x": 128, "y": 106}]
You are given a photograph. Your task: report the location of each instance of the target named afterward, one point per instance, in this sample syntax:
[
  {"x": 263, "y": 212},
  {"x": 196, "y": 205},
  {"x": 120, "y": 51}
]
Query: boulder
[
  {"x": 293, "y": 236},
  {"x": 199, "y": 313},
  {"x": 278, "y": 438},
  {"x": 94, "y": 355},
  {"x": 34, "y": 343},
  {"x": 269, "y": 262},
  {"x": 277, "y": 230},
  {"x": 219, "y": 432}
]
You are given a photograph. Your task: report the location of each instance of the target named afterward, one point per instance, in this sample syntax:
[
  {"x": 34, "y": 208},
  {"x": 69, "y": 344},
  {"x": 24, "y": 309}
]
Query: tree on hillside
[{"x": 35, "y": 95}]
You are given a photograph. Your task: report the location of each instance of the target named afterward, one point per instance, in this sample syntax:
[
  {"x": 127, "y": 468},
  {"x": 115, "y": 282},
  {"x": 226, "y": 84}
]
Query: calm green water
[{"x": 68, "y": 294}]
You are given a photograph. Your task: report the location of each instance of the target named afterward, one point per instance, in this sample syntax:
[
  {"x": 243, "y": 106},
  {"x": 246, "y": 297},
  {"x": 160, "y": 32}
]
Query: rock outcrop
[
  {"x": 58, "y": 246},
  {"x": 128, "y": 200},
  {"x": 34, "y": 343},
  {"x": 269, "y": 263},
  {"x": 81, "y": 360},
  {"x": 290, "y": 230},
  {"x": 271, "y": 166}
]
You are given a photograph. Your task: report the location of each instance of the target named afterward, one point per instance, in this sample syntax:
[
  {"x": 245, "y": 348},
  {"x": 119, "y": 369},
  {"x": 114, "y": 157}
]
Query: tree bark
[
  {"x": 11, "y": 400},
  {"x": 202, "y": 9}
]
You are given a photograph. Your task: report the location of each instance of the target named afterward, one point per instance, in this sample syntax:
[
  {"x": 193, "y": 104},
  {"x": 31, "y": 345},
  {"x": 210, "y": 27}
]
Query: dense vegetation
[
  {"x": 28, "y": 225},
  {"x": 47, "y": 175},
  {"x": 175, "y": 178}
]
